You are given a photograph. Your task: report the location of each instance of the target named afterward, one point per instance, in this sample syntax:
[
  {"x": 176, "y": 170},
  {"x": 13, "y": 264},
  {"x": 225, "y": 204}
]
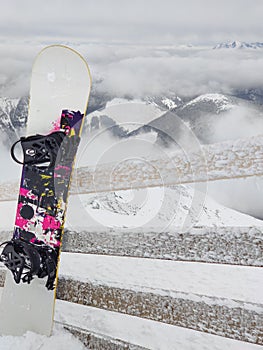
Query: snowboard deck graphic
[{"x": 60, "y": 87}]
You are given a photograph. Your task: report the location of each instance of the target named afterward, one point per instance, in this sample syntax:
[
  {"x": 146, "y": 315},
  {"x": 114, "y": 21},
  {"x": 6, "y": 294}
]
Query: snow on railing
[{"x": 227, "y": 160}]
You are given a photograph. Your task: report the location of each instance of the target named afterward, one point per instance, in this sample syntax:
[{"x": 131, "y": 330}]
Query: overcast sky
[
  {"x": 132, "y": 46},
  {"x": 139, "y": 21}
]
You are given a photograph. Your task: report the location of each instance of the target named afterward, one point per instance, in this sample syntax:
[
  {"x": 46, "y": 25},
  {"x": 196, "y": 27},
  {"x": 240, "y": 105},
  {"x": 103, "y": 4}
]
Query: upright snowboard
[{"x": 60, "y": 87}]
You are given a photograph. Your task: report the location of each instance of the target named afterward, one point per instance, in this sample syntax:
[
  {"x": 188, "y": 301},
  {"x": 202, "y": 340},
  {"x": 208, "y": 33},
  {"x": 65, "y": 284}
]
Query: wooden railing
[{"x": 240, "y": 249}]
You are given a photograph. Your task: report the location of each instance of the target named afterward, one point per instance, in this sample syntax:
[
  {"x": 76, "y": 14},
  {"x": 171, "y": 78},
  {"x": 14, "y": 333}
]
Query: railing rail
[{"x": 227, "y": 160}]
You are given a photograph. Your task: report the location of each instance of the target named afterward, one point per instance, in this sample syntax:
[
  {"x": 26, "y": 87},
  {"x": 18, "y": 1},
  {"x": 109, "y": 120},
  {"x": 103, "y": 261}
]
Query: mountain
[
  {"x": 169, "y": 101},
  {"x": 239, "y": 45},
  {"x": 255, "y": 95},
  {"x": 121, "y": 116},
  {"x": 19, "y": 116},
  {"x": 13, "y": 117},
  {"x": 7, "y": 111},
  {"x": 211, "y": 117}
]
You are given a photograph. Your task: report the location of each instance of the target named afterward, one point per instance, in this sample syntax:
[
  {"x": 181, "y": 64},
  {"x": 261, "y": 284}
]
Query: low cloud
[
  {"x": 187, "y": 72},
  {"x": 240, "y": 122},
  {"x": 138, "y": 71}
]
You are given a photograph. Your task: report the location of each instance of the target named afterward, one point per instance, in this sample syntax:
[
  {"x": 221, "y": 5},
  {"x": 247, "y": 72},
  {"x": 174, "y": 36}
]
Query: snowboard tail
[{"x": 47, "y": 166}]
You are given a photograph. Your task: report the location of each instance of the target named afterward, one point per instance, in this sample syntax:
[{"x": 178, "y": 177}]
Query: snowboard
[{"x": 59, "y": 93}]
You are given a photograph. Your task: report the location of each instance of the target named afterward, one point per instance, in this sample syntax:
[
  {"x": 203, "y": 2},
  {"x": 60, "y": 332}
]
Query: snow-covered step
[
  {"x": 229, "y": 245},
  {"x": 139, "y": 332},
  {"x": 219, "y": 299}
]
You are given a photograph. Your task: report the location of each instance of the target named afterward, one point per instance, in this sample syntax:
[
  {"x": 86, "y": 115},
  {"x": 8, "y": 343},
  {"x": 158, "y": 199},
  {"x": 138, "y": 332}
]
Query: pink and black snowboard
[
  {"x": 47, "y": 166},
  {"x": 59, "y": 94}
]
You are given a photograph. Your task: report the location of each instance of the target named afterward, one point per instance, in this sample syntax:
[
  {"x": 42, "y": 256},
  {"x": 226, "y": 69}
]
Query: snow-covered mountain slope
[
  {"x": 211, "y": 117},
  {"x": 6, "y": 127},
  {"x": 124, "y": 115},
  {"x": 19, "y": 117},
  {"x": 13, "y": 116},
  {"x": 8, "y": 105},
  {"x": 239, "y": 45},
  {"x": 152, "y": 209},
  {"x": 167, "y": 102},
  {"x": 217, "y": 103}
]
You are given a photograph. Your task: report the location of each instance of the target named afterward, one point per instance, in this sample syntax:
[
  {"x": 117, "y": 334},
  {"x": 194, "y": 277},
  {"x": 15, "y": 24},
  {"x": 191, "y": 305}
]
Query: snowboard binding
[
  {"x": 58, "y": 147},
  {"x": 39, "y": 149},
  {"x": 26, "y": 260}
]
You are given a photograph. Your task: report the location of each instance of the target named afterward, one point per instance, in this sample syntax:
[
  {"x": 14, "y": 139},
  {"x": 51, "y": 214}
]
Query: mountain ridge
[{"x": 239, "y": 45}]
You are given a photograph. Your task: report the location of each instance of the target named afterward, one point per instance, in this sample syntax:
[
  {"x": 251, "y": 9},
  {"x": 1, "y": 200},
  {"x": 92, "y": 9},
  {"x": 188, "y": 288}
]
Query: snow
[
  {"x": 243, "y": 283},
  {"x": 7, "y": 104},
  {"x": 239, "y": 45},
  {"x": 219, "y": 100},
  {"x": 142, "y": 332},
  {"x": 152, "y": 208},
  {"x": 8, "y": 210},
  {"x": 60, "y": 339},
  {"x": 158, "y": 208},
  {"x": 228, "y": 285},
  {"x": 146, "y": 333},
  {"x": 169, "y": 103}
]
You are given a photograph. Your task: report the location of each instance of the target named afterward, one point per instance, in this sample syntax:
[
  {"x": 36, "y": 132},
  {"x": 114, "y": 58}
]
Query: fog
[
  {"x": 240, "y": 122},
  {"x": 10, "y": 171},
  {"x": 144, "y": 71}
]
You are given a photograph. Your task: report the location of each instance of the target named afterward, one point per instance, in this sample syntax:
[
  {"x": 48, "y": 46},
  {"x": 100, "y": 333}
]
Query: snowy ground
[
  {"x": 243, "y": 283},
  {"x": 60, "y": 339},
  {"x": 142, "y": 332}
]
